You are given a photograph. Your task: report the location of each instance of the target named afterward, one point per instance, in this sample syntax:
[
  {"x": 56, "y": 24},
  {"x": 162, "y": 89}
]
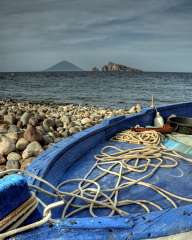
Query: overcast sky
[{"x": 154, "y": 35}]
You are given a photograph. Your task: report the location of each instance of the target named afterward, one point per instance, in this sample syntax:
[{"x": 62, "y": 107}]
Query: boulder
[
  {"x": 14, "y": 156},
  {"x": 86, "y": 121},
  {"x": 7, "y": 145},
  {"x": 12, "y": 164},
  {"x": 65, "y": 120},
  {"x": 2, "y": 159},
  {"x": 10, "y": 118},
  {"x": 2, "y": 168},
  {"x": 13, "y": 128},
  {"x": 25, "y": 118},
  {"x": 47, "y": 139},
  {"x": 13, "y": 136},
  {"x": 3, "y": 128},
  {"x": 48, "y": 124},
  {"x": 33, "y": 149},
  {"x": 32, "y": 134},
  {"x": 138, "y": 107},
  {"x": 21, "y": 144},
  {"x": 25, "y": 163}
]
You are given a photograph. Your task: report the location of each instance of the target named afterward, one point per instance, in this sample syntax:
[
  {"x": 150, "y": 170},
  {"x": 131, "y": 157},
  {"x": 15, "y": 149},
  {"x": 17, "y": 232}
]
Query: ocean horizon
[{"x": 105, "y": 89}]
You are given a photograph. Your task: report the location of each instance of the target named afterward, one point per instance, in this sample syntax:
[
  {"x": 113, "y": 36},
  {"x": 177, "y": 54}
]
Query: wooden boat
[{"x": 73, "y": 157}]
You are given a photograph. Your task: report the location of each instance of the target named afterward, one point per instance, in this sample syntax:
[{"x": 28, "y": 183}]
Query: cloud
[{"x": 46, "y": 31}]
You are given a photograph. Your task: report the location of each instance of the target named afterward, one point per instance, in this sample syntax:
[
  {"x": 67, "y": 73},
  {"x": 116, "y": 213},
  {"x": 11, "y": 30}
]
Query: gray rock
[
  {"x": 132, "y": 109},
  {"x": 2, "y": 168},
  {"x": 26, "y": 162},
  {"x": 33, "y": 149},
  {"x": 14, "y": 156},
  {"x": 138, "y": 107},
  {"x": 21, "y": 144},
  {"x": 2, "y": 159},
  {"x": 65, "y": 134},
  {"x": 73, "y": 130},
  {"x": 47, "y": 139},
  {"x": 7, "y": 145},
  {"x": 33, "y": 121},
  {"x": 3, "y": 128},
  {"x": 65, "y": 120},
  {"x": 13, "y": 136},
  {"x": 59, "y": 129},
  {"x": 3, "y": 111},
  {"x": 12, "y": 164},
  {"x": 13, "y": 128},
  {"x": 10, "y": 118},
  {"x": 25, "y": 118},
  {"x": 32, "y": 134},
  {"x": 48, "y": 125},
  {"x": 41, "y": 130},
  {"x": 86, "y": 121},
  {"x": 58, "y": 123}
]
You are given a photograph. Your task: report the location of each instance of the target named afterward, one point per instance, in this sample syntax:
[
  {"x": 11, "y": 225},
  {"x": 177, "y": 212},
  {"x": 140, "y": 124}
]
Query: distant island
[
  {"x": 114, "y": 67},
  {"x": 110, "y": 67},
  {"x": 64, "y": 66}
]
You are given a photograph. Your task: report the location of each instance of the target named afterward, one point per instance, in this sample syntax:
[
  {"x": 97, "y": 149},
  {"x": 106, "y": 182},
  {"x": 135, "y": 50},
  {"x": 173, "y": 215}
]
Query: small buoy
[{"x": 158, "y": 120}]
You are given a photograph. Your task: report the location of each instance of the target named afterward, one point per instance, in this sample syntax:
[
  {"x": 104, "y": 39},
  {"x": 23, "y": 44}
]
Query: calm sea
[{"x": 97, "y": 88}]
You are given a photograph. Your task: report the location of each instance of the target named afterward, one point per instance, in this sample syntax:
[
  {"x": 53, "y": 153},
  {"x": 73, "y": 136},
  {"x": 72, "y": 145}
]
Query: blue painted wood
[
  {"x": 13, "y": 192},
  {"x": 135, "y": 227},
  {"x": 61, "y": 159}
]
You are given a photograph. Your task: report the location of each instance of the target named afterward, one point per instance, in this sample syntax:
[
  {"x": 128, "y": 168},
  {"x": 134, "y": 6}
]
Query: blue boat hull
[{"x": 72, "y": 157}]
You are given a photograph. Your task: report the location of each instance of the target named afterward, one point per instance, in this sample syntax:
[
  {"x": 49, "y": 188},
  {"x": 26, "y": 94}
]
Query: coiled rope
[
  {"x": 91, "y": 195},
  {"x": 147, "y": 137}
]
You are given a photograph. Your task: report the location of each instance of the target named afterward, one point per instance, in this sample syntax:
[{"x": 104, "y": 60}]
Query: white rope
[{"x": 141, "y": 160}]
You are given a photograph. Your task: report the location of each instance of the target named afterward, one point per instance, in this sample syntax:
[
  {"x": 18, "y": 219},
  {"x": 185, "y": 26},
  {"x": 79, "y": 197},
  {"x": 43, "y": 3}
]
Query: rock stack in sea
[{"x": 27, "y": 129}]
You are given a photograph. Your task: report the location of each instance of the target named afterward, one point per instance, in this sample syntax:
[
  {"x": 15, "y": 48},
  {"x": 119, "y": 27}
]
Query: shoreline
[
  {"x": 27, "y": 128},
  {"x": 60, "y": 103}
]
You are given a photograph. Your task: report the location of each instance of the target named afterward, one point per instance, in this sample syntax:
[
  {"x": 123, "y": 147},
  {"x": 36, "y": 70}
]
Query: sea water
[{"x": 112, "y": 89}]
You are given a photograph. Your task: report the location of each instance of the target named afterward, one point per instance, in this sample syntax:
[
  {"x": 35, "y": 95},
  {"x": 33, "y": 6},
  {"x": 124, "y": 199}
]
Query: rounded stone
[
  {"x": 58, "y": 123},
  {"x": 13, "y": 136},
  {"x": 10, "y": 118},
  {"x": 7, "y": 145},
  {"x": 47, "y": 139},
  {"x": 3, "y": 128},
  {"x": 2, "y": 168},
  {"x": 12, "y": 164},
  {"x": 3, "y": 111},
  {"x": 32, "y": 134},
  {"x": 48, "y": 124},
  {"x": 2, "y": 159},
  {"x": 33, "y": 121},
  {"x": 14, "y": 156},
  {"x": 26, "y": 162},
  {"x": 65, "y": 119},
  {"x": 73, "y": 130},
  {"x": 13, "y": 128},
  {"x": 21, "y": 144},
  {"x": 132, "y": 109},
  {"x": 65, "y": 134},
  {"x": 33, "y": 149},
  {"x": 25, "y": 118},
  {"x": 138, "y": 107}
]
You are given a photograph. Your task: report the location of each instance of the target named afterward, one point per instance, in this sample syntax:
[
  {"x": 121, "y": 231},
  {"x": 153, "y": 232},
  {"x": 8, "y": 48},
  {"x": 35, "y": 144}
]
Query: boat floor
[{"x": 177, "y": 180}]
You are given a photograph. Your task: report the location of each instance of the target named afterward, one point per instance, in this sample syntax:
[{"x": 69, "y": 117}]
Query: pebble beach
[{"x": 27, "y": 129}]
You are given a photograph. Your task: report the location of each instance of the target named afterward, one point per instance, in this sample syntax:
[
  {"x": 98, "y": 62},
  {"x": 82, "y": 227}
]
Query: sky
[{"x": 152, "y": 35}]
